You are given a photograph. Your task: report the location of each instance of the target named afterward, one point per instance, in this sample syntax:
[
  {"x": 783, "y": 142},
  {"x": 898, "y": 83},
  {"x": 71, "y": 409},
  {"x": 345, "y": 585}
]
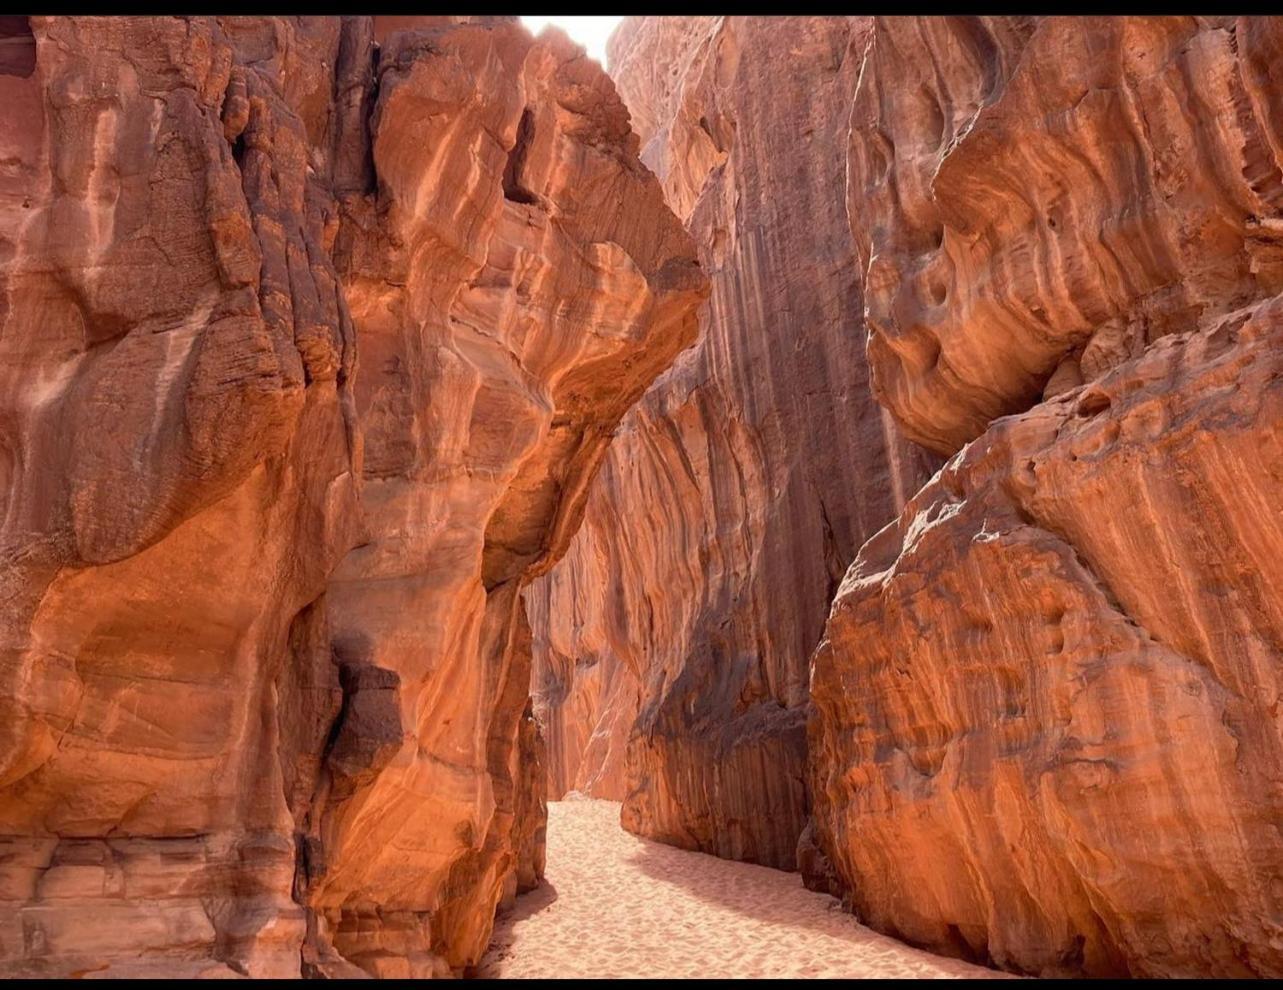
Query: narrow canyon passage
[
  {"x": 853, "y": 442},
  {"x": 615, "y": 905}
]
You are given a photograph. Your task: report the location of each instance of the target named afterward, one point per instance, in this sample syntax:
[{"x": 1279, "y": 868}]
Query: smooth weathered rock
[
  {"x": 537, "y": 305},
  {"x": 1035, "y": 201},
  {"x": 261, "y": 662},
  {"x": 176, "y": 406},
  {"x": 671, "y": 643},
  {"x": 1046, "y": 705},
  {"x": 531, "y": 814}
]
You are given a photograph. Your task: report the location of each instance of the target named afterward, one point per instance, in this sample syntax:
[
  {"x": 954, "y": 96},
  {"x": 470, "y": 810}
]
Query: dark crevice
[
  {"x": 1092, "y": 403},
  {"x": 371, "y": 100},
  {"x": 17, "y": 47},
  {"x": 356, "y": 91},
  {"x": 512, "y": 188}
]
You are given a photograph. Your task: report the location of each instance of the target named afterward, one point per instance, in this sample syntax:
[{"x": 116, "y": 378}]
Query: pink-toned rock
[{"x": 262, "y": 666}]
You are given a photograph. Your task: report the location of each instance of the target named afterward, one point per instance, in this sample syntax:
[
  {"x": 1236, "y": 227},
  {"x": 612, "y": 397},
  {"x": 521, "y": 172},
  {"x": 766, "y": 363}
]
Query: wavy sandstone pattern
[
  {"x": 1045, "y": 725},
  {"x": 1045, "y": 729},
  {"x": 314, "y": 336},
  {"x": 263, "y": 656},
  {"x": 1035, "y": 202}
]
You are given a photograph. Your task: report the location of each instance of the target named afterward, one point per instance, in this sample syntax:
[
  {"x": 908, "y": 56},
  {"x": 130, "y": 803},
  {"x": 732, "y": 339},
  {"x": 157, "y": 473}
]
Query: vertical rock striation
[
  {"x": 264, "y": 663},
  {"x": 1045, "y": 728},
  {"x": 671, "y": 643}
]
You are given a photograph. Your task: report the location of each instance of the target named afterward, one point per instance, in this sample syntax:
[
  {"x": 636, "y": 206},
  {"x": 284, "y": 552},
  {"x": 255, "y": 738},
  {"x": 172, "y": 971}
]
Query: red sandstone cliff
[
  {"x": 1044, "y": 728},
  {"x": 672, "y": 641},
  {"x": 312, "y": 334},
  {"x": 1046, "y": 707}
]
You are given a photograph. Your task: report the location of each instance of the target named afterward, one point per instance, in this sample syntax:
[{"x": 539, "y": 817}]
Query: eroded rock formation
[
  {"x": 1046, "y": 724},
  {"x": 1035, "y": 202},
  {"x": 1044, "y": 730},
  {"x": 312, "y": 334},
  {"x": 672, "y": 641}
]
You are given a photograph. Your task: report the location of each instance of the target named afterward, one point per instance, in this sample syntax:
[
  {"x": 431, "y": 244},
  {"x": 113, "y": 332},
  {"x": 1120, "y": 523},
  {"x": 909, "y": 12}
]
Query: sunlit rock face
[
  {"x": 671, "y": 643},
  {"x": 1037, "y": 201},
  {"x": 1045, "y": 728},
  {"x": 313, "y": 332}
]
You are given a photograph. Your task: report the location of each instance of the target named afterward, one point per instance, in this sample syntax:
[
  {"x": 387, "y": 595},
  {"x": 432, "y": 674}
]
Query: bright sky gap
[{"x": 591, "y": 32}]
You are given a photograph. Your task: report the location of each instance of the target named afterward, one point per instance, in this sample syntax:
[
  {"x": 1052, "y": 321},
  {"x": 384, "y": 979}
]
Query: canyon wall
[
  {"x": 318, "y": 343},
  {"x": 313, "y": 332},
  {"x": 672, "y": 641},
  {"x": 1043, "y": 726},
  {"x": 1046, "y": 707}
]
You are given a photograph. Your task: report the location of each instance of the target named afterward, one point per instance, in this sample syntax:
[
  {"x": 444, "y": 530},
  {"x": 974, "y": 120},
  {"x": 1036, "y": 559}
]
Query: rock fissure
[{"x": 1049, "y": 235}]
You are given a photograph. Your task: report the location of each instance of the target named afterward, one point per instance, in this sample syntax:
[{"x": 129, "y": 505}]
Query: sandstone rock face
[
  {"x": 671, "y": 643},
  {"x": 312, "y": 334},
  {"x": 1034, "y": 202},
  {"x": 1045, "y": 726}
]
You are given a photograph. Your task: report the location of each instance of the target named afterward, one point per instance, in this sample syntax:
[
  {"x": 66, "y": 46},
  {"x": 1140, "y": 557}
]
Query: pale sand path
[{"x": 614, "y": 905}]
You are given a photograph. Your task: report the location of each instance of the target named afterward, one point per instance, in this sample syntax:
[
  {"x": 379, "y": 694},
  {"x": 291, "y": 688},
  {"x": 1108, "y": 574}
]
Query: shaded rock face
[
  {"x": 671, "y": 643},
  {"x": 1045, "y": 727},
  {"x": 313, "y": 332}
]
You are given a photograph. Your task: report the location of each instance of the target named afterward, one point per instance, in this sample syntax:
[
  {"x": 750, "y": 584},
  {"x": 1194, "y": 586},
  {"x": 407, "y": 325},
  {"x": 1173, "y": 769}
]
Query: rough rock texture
[
  {"x": 263, "y": 656},
  {"x": 671, "y": 643},
  {"x": 1046, "y": 727}
]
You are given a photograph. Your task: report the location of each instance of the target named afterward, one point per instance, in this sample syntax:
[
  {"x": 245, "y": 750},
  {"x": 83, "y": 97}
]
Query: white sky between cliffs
[{"x": 591, "y": 32}]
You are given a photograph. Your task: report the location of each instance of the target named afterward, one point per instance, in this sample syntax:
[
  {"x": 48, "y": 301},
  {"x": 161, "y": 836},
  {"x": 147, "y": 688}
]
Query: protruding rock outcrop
[
  {"x": 312, "y": 334},
  {"x": 1044, "y": 729},
  {"x": 1036, "y": 201},
  {"x": 1046, "y": 707},
  {"x": 1045, "y": 726},
  {"x": 671, "y": 644}
]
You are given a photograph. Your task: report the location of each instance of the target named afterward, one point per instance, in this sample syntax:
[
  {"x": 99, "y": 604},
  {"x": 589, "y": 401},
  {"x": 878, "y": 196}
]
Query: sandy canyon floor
[{"x": 614, "y": 905}]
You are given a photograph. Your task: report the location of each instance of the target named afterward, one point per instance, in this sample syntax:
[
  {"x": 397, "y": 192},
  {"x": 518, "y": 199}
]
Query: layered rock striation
[
  {"x": 1046, "y": 725},
  {"x": 313, "y": 332},
  {"x": 671, "y": 643},
  {"x": 1043, "y": 730},
  {"x": 1035, "y": 202},
  {"x": 314, "y": 336}
]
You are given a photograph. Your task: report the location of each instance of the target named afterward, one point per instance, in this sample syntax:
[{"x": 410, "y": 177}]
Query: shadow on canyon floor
[
  {"x": 530, "y": 903},
  {"x": 627, "y": 907},
  {"x": 775, "y": 897},
  {"x": 744, "y": 888},
  {"x": 501, "y": 946}
]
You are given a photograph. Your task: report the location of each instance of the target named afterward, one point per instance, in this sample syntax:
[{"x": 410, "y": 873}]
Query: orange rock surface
[
  {"x": 313, "y": 332},
  {"x": 355, "y": 499},
  {"x": 1036, "y": 201},
  {"x": 1044, "y": 729},
  {"x": 1046, "y": 726},
  {"x": 671, "y": 643}
]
